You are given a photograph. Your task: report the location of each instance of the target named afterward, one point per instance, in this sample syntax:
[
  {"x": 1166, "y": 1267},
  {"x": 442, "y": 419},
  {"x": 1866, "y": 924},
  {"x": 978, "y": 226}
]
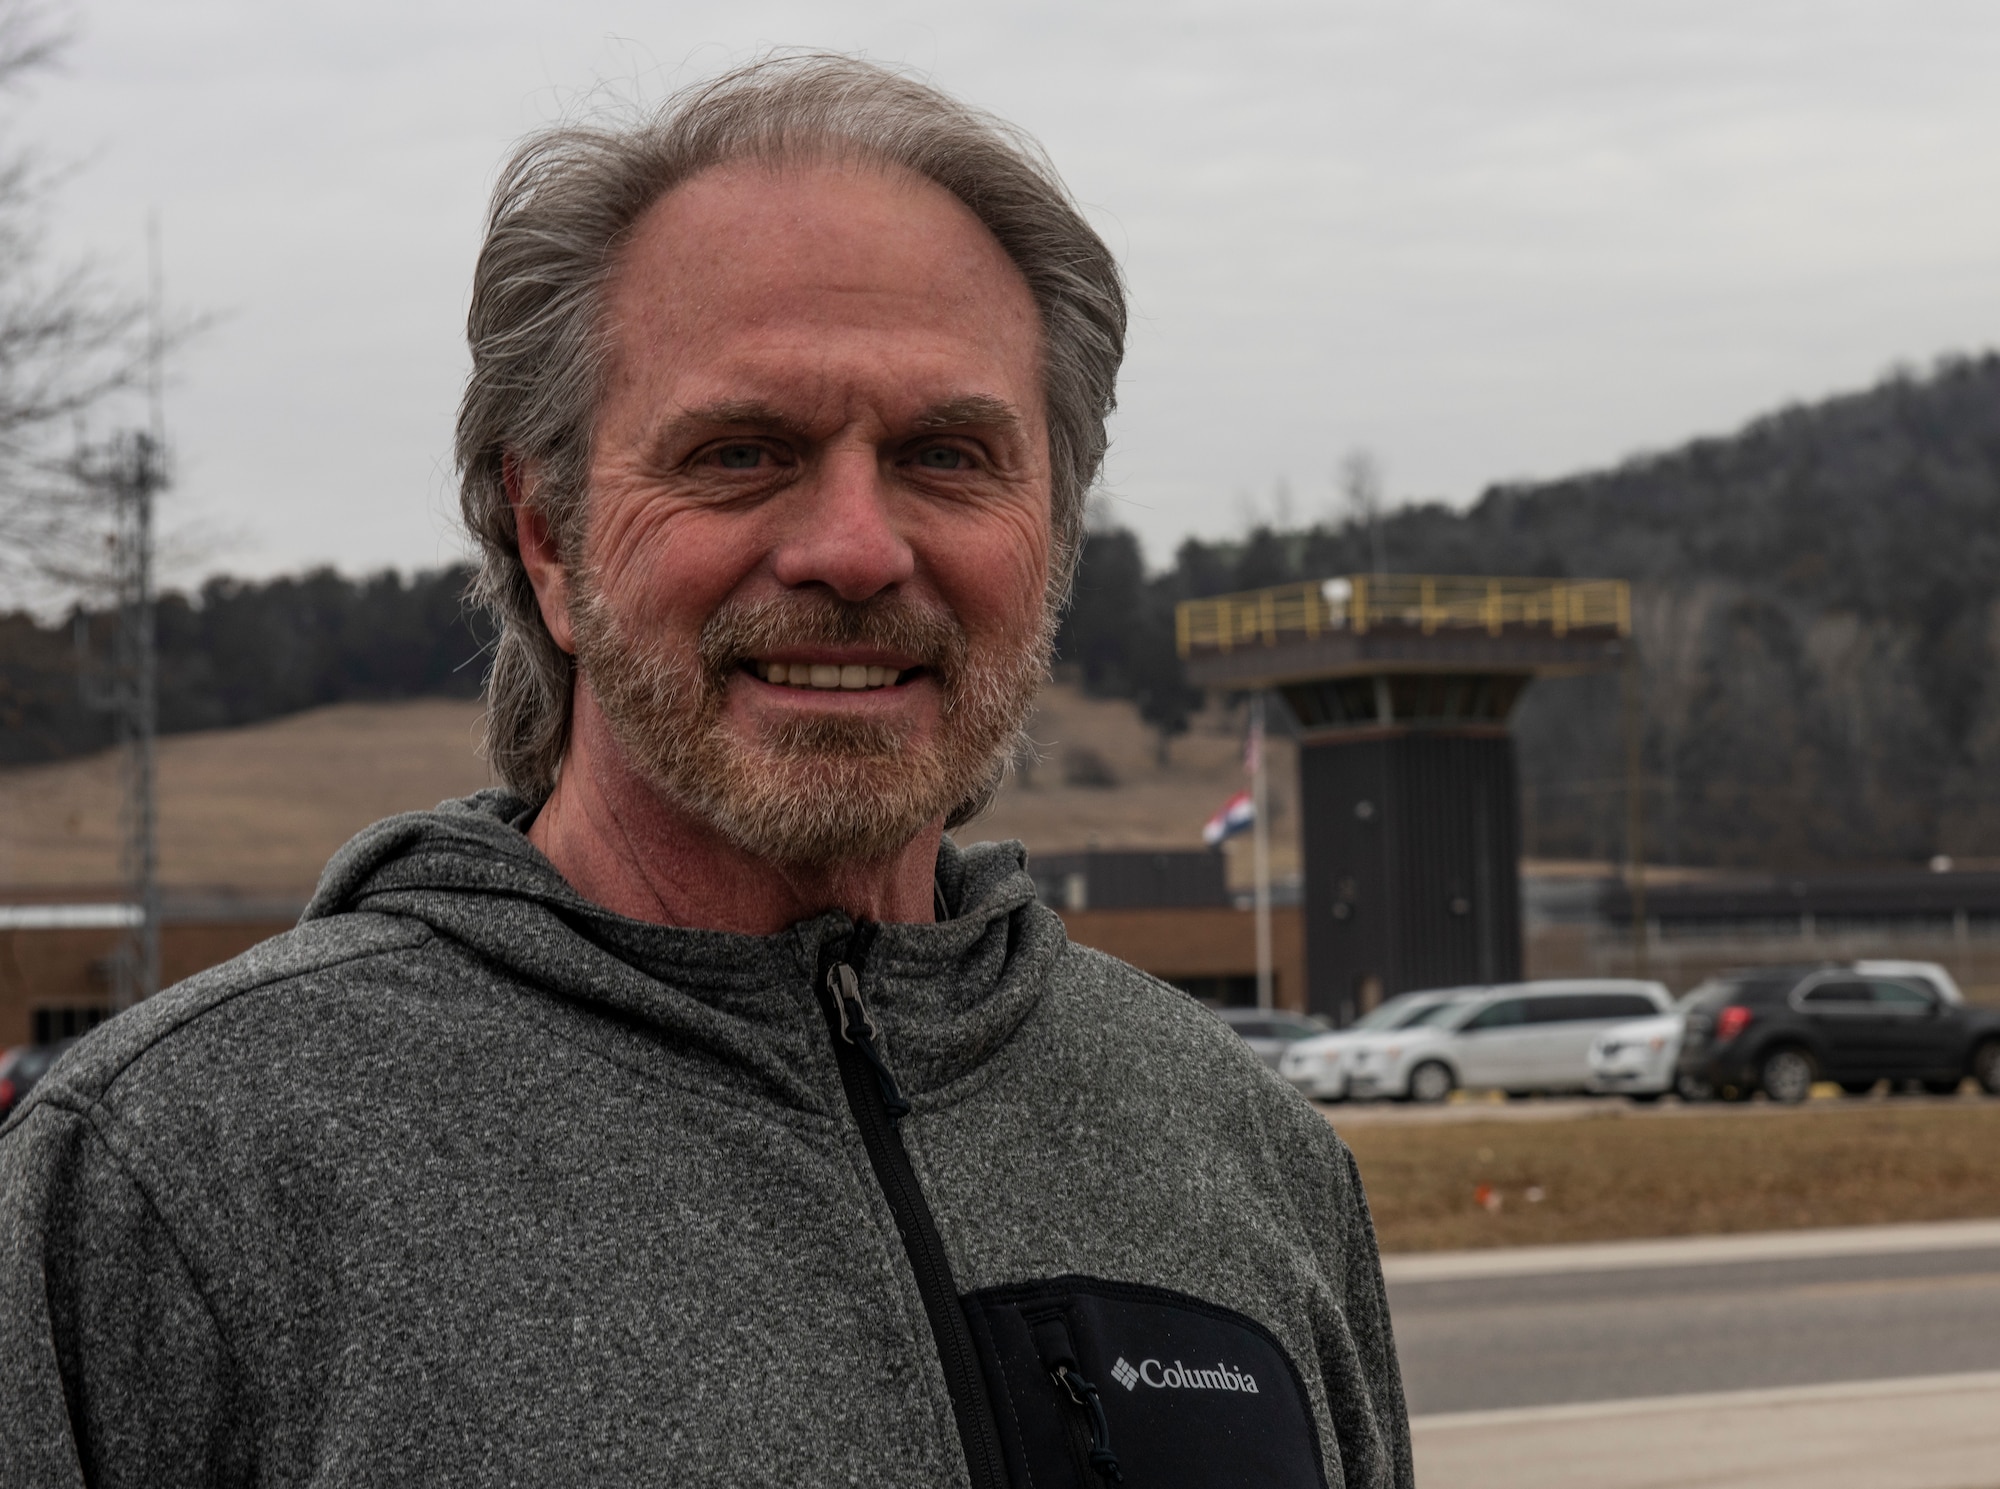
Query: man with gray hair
[{"x": 694, "y": 1110}]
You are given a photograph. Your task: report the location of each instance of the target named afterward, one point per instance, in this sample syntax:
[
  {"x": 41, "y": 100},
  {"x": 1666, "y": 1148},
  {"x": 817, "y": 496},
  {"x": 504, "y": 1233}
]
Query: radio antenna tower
[
  {"x": 131, "y": 471},
  {"x": 146, "y": 479}
]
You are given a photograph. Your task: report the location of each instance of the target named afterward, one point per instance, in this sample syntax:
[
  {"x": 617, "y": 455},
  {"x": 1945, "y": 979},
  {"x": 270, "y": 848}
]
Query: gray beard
[{"x": 811, "y": 793}]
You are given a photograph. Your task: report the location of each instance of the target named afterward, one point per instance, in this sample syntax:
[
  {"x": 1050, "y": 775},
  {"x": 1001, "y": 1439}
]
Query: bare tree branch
[
  {"x": 31, "y": 37},
  {"x": 68, "y": 343},
  {"x": 1360, "y": 482}
]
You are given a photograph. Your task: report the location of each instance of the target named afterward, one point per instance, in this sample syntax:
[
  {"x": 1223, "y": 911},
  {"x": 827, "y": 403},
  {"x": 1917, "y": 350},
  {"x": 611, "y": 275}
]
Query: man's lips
[{"x": 846, "y": 677}]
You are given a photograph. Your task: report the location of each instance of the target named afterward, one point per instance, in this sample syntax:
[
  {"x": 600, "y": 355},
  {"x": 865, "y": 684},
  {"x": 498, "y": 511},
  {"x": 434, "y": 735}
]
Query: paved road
[
  {"x": 1866, "y": 1358},
  {"x": 1475, "y": 1344},
  {"x": 1938, "y": 1432}
]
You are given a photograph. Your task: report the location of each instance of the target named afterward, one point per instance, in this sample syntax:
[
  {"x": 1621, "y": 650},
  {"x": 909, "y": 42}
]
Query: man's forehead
[
  {"x": 846, "y": 241},
  {"x": 806, "y": 300}
]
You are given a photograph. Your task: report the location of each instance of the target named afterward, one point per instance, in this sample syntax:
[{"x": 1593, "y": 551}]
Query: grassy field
[
  {"x": 258, "y": 809},
  {"x": 1440, "y": 1186},
  {"x": 262, "y": 807}
]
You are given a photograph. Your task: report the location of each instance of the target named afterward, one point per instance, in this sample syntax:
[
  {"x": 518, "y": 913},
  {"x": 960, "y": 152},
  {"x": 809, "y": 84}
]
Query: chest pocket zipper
[{"x": 1058, "y": 1355}]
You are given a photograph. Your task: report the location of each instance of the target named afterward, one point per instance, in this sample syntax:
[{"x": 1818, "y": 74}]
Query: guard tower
[{"x": 1402, "y": 685}]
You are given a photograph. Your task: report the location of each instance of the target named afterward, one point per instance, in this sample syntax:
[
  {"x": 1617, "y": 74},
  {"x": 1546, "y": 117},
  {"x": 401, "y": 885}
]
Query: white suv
[{"x": 1522, "y": 1037}]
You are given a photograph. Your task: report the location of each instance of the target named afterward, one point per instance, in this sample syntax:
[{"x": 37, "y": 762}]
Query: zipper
[
  {"x": 1090, "y": 1438},
  {"x": 878, "y": 1105},
  {"x": 1103, "y": 1462},
  {"x": 857, "y": 1026}
]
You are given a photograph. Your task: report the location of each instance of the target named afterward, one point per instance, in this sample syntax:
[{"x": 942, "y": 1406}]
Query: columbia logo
[{"x": 1177, "y": 1377}]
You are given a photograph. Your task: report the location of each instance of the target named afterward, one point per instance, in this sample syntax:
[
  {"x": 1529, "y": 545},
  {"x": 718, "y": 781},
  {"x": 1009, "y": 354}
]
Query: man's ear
[{"x": 536, "y": 543}]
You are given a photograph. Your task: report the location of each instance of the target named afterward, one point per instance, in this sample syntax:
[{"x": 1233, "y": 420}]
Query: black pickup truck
[{"x": 1779, "y": 1029}]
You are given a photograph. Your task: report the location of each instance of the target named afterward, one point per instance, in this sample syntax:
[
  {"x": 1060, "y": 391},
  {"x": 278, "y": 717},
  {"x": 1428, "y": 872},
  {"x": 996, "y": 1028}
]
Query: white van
[{"x": 1520, "y": 1037}]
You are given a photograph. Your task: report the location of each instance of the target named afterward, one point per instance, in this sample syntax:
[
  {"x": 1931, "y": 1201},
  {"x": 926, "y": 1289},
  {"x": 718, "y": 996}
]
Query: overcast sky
[{"x": 1489, "y": 241}]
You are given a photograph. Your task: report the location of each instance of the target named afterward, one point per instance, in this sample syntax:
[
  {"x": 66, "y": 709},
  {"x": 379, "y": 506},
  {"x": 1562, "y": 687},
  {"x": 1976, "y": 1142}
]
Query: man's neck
[{"x": 620, "y": 845}]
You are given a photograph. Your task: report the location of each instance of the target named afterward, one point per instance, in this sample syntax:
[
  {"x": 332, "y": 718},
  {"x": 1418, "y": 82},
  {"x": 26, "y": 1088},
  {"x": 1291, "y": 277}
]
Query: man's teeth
[{"x": 851, "y": 678}]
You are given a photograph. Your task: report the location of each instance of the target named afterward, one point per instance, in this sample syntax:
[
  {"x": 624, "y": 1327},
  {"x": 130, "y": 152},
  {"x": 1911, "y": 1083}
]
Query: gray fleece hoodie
[{"x": 468, "y": 1181}]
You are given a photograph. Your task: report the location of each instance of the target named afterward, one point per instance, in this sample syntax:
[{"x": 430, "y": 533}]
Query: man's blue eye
[
  {"x": 739, "y": 457},
  {"x": 941, "y": 457}
]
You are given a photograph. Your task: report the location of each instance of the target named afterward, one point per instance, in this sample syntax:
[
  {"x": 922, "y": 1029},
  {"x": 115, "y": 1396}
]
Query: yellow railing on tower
[{"x": 1356, "y": 604}]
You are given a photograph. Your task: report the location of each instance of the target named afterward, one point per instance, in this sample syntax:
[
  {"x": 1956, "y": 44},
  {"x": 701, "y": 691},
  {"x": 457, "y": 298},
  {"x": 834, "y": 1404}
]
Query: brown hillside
[
  {"x": 1149, "y": 805},
  {"x": 256, "y": 810},
  {"x": 259, "y": 810}
]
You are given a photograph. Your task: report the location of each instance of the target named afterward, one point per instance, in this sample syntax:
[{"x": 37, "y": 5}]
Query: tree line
[{"x": 235, "y": 652}]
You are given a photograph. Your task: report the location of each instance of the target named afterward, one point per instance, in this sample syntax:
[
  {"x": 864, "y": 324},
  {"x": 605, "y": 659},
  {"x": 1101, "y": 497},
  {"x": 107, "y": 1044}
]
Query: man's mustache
[{"x": 737, "y": 633}]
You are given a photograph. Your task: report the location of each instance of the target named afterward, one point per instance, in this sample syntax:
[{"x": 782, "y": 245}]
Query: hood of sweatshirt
[{"x": 947, "y": 995}]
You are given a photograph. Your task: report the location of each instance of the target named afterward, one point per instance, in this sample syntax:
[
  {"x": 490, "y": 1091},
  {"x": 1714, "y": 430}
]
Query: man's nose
[{"x": 843, "y": 533}]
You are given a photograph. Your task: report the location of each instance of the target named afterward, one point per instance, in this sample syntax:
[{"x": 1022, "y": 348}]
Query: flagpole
[{"x": 1261, "y": 851}]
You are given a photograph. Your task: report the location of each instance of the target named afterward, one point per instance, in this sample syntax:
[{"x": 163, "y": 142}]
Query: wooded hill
[
  {"x": 1817, "y": 605},
  {"x": 236, "y": 653},
  {"x": 1818, "y": 613}
]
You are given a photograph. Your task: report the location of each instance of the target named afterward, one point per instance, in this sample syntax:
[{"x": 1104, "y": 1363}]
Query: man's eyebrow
[
  {"x": 971, "y": 408},
  {"x": 962, "y": 412},
  {"x": 730, "y": 413},
  {"x": 668, "y": 440}
]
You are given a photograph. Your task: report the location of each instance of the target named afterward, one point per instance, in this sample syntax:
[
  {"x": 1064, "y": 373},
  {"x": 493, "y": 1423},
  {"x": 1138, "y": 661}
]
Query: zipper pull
[
  {"x": 1052, "y": 1343},
  {"x": 1084, "y": 1394},
  {"x": 857, "y": 1027}
]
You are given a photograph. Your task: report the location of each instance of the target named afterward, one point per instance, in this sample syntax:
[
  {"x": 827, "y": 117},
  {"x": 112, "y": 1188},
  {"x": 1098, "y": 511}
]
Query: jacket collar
[{"x": 947, "y": 996}]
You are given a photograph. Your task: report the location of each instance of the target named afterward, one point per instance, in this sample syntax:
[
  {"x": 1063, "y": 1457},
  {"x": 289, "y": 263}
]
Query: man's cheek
[
  {"x": 1027, "y": 552},
  {"x": 997, "y": 585},
  {"x": 662, "y": 608}
]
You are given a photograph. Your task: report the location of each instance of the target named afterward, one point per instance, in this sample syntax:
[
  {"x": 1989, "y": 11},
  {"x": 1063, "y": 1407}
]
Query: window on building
[
  {"x": 1223, "y": 992},
  {"x": 67, "y": 1021}
]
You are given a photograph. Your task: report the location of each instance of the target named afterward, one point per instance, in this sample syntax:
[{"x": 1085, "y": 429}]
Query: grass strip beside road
[{"x": 1458, "y": 1185}]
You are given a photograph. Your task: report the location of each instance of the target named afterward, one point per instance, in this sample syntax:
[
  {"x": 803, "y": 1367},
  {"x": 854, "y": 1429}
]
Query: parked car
[
  {"x": 1521, "y": 1037},
  {"x": 1271, "y": 1031},
  {"x": 1318, "y": 1066},
  {"x": 21, "y": 1067},
  {"x": 1642, "y": 1059},
  {"x": 1638, "y": 1059},
  {"x": 1780, "y": 1029}
]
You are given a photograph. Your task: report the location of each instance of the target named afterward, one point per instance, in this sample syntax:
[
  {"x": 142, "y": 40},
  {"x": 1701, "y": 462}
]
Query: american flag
[{"x": 1234, "y": 816}]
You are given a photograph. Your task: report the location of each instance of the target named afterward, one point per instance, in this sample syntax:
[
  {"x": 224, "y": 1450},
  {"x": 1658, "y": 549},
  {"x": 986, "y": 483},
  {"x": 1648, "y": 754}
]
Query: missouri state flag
[{"x": 1235, "y": 815}]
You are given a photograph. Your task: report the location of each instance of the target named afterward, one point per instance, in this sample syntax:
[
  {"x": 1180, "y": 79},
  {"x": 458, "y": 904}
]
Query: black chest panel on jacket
[{"x": 1101, "y": 1383}]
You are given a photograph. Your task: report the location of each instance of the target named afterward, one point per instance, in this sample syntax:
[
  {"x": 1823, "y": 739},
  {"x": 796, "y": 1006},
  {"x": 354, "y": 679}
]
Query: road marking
[
  {"x": 1862, "y": 1286},
  {"x": 1691, "y": 1251}
]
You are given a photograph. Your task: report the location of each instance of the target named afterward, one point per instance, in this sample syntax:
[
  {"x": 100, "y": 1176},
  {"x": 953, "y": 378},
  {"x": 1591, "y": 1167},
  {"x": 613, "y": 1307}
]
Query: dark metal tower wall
[{"x": 1412, "y": 854}]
